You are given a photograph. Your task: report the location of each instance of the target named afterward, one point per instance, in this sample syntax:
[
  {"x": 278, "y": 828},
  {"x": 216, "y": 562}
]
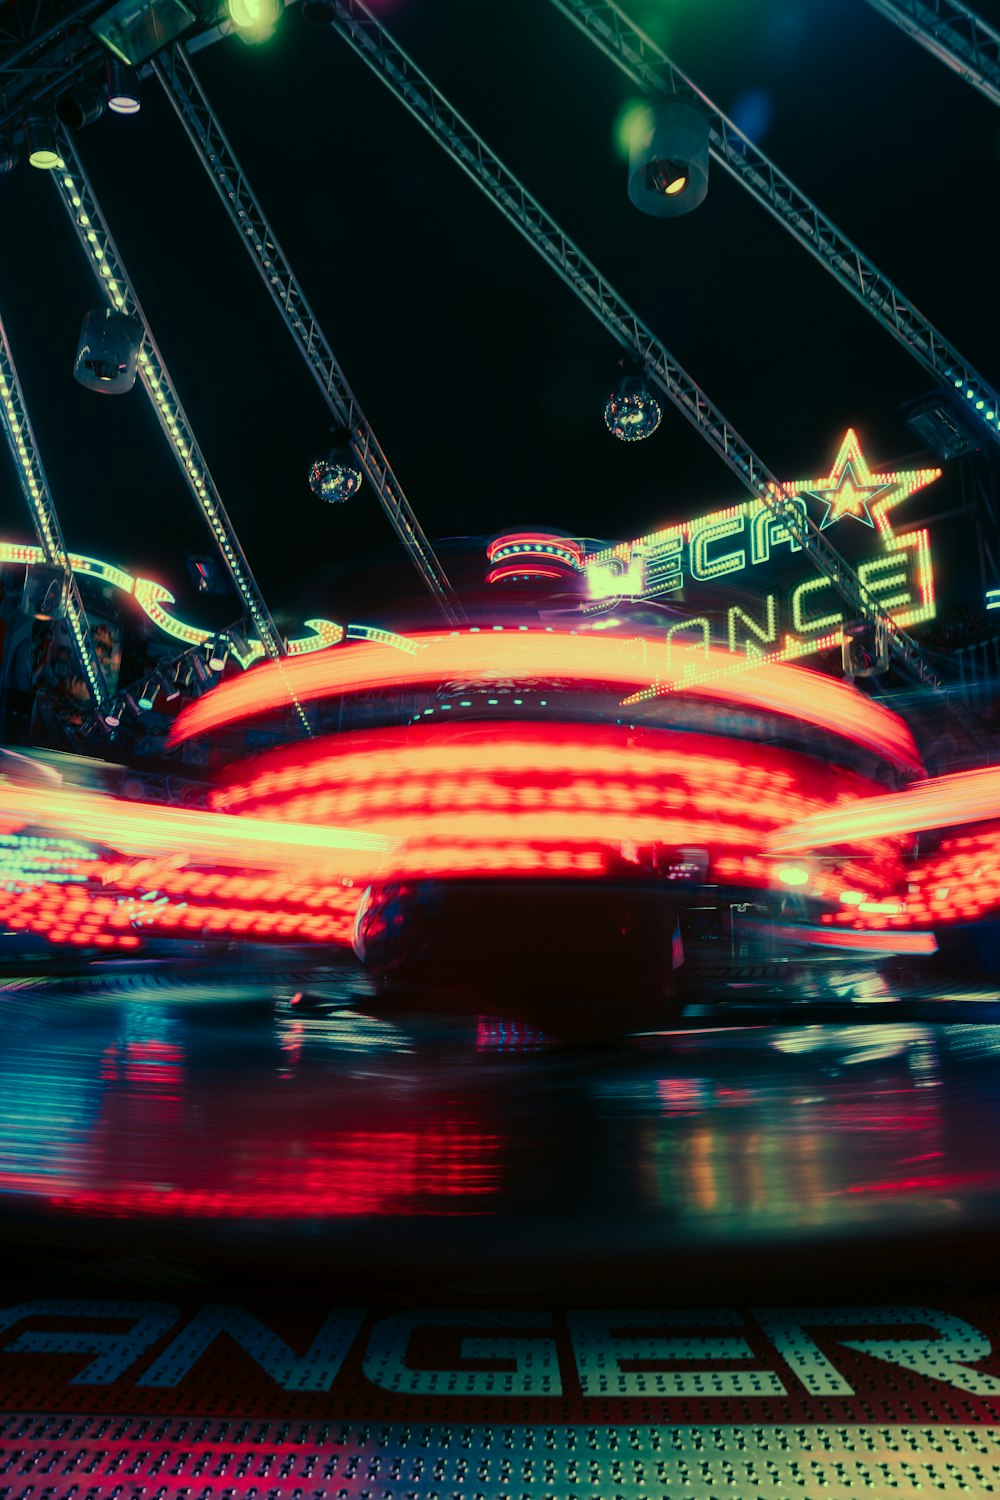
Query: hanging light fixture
[
  {"x": 199, "y": 669},
  {"x": 336, "y": 475},
  {"x": 633, "y": 410},
  {"x": 40, "y": 141},
  {"x": 135, "y": 30},
  {"x": 52, "y": 605},
  {"x": 171, "y": 691},
  {"x": 83, "y": 106},
  {"x": 107, "y": 355},
  {"x": 255, "y": 19},
  {"x": 218, "y": 653},
  {"x": 123, "y": 89},
  {"x": 668, "y": 159}
]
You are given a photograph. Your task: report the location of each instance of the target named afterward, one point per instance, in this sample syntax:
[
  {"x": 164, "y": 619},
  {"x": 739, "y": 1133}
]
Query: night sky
[{"x": 482, "y": 375}]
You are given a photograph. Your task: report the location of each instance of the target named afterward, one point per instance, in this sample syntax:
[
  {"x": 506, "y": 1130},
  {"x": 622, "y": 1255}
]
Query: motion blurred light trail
[
  {"x": 151, "y": 829},
  {"x": 944, "y": 802},
  {"x": 599, "y": 660}
]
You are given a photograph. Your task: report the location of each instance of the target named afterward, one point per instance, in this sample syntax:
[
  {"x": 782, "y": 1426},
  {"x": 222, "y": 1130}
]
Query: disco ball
[
  {"x": 633, "y": 411},
  {"x": 335, "y": 477}
]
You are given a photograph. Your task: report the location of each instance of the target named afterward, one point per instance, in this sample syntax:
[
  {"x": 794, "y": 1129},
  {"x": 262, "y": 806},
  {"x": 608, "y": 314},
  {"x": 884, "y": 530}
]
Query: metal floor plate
[{"x": 145, "y": 1459}]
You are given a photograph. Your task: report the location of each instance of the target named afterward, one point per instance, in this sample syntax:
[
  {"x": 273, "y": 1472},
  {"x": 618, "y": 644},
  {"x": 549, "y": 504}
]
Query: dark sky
[{"x": 482, "y": 375}]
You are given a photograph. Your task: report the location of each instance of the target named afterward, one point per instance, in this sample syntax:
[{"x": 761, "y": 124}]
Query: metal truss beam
[
  {"x": 648, "y": 67},
  {"x": 953, "y": 34},
  {"x": 44, "y": 47},
  {"x": 370, "y": 40},
  {"x": 27, "y": 29},
  {"x": 90, "y": 227},
  {"x": 185, "y": 93},
  {"x": 28, "y": 463}
]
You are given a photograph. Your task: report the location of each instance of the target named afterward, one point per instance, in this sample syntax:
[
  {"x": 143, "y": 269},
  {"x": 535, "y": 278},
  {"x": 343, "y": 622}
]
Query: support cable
[
  {"x": 90, "y": 227},
  {"x": 370, "y": 40},
  {"x": 176, "y": 74},
  {"x": 28, "y": 463},
  {"x": 953, "y": 34},
  {"x": 650, "y": 68}
]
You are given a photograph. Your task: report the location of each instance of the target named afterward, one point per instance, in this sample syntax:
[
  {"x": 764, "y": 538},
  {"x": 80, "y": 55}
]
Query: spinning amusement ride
[{"x": 574, "y": 777}]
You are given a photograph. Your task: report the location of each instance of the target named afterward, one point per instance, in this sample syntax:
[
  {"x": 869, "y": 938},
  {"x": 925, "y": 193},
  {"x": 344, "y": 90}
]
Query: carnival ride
[
  {"x": 547, "y": 785},
  {"x": 616, "y": 771}
]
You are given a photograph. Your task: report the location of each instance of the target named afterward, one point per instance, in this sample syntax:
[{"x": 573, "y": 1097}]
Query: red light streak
[
  {"x": 358, "y": 1172},
  {"x": 855, "y": 941},
  {"x": 534, "y": 539},
  {"x": 599, "y": 661},
  {"x": 473, "y": 799},
  {"x": 151, "y": 829},
  {"x": 525, "y": 569},
  {"x": 968, "y": 797},
  {"x": 534, "y": 785}
]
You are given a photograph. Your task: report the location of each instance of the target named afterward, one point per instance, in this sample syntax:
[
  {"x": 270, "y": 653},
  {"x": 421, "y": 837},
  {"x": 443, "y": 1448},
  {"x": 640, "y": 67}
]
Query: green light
[
  {"x": 633, "y": 124},
  {"x": 45, "y": 158},
  {"x": 258, "y": 16}
]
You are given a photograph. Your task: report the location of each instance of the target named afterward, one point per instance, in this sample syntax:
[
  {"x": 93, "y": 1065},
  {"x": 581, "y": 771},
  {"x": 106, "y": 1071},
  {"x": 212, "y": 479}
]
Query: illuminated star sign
[{"x": 851, "y": 489}]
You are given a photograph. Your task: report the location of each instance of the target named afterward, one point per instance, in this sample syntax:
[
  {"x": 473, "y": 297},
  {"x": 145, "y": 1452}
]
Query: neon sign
[
  {"x": 153, "y": 598},
  {"x": 899, "y": 577},
  {"x": 522, "y": 555}
]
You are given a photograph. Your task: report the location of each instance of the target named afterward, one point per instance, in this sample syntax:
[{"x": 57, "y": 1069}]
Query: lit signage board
[
  {"x": 897, "y": 572},
  {"x": 153, "y": 599}
]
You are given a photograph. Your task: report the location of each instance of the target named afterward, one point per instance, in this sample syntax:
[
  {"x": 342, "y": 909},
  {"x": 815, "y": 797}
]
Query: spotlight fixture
[
  {"x": 668, "y": 159},
  {"x": 218, "y": 653},
  {"x": 113, "y": 716},
  {"x": 123, "y": 90},
  {"x": 336, "y": 475},
  {"x": 865, "y": 649},
  {"x": 147, "y": 694},
  {"x": 133, "y": 705},
  {"x": 239, "y": 644},
  {"x": 207, "y": 574},
  {"x": 83, "y": 106},
  {"x": 52, "y": 605},
  {"x": 633, "y": 410},
  {"x": 107, "y": 355},
  {"x": 8, "y": 155},
  {"x": 667, "y": 177},
  {"x": 171, "y": 691},
  {"x": 40, "y": 141},
  {"x": 134, "y": 30},
  {"x": 199, "y": 668},
  {"x": 255, "y": 19},
  {"x": 943, "y": 424}
]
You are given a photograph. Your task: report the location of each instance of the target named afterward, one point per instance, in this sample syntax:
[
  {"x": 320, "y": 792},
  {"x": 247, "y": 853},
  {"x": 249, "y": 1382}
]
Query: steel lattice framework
[
  {"x": 650, "y": 68},
  {"x": 370, "y": 40},
  {"x": 186, "y": 95},
  {"x": 44, "y": 46},
  {"x": 27, "y": 461},
  {"x": 954, "y": 34},
  {"x": 91, "y": 230}
]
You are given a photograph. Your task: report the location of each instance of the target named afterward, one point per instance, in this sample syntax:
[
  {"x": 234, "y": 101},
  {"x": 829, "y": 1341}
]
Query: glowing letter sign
[{"x": 898, "y": 576}]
